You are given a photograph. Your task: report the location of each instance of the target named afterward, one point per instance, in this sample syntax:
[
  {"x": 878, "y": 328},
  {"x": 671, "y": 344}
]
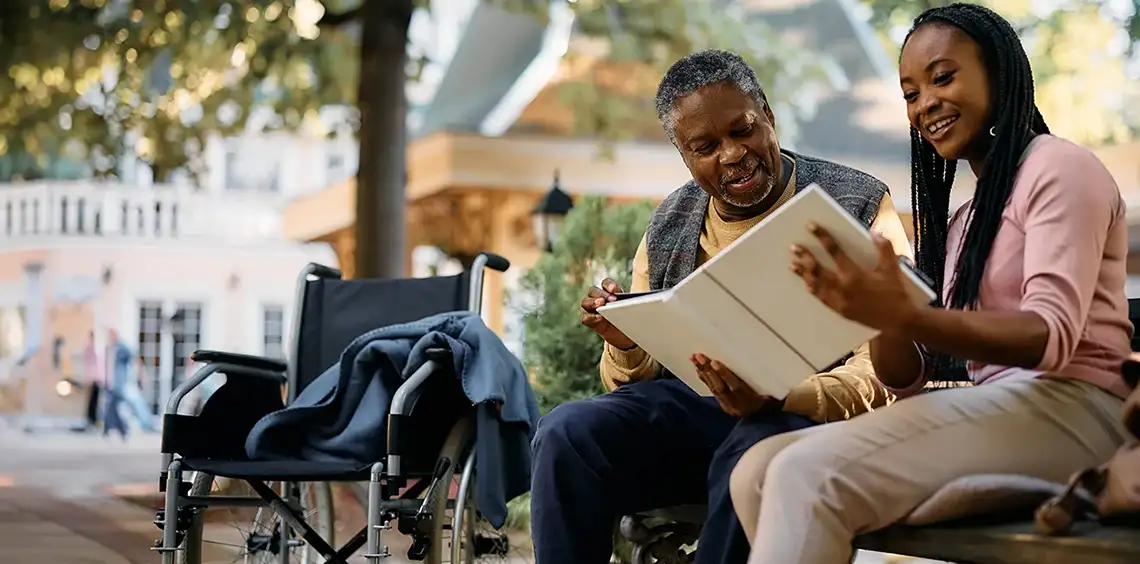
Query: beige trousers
[{"x": 824, "y": 485}]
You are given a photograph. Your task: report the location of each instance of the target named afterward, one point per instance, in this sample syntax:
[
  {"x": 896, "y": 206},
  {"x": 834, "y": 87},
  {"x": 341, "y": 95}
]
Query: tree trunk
[{"x": 382, "y": 104}]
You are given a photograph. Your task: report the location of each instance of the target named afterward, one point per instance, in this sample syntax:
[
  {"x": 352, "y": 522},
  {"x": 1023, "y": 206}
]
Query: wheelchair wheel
[
  {"x": 252, "y": 535},
  {"x": 462, "y": 536}
]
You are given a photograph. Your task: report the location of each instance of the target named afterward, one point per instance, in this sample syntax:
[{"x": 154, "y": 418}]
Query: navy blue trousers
[{"x": 644, "y": 446}]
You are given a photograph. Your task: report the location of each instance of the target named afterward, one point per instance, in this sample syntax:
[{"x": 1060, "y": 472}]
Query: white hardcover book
[{"x": 748, "y": 310}]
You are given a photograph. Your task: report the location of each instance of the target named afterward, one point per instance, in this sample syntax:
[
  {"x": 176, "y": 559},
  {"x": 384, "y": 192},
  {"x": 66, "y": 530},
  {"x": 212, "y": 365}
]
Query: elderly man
[{"x": 652, "y": 442}]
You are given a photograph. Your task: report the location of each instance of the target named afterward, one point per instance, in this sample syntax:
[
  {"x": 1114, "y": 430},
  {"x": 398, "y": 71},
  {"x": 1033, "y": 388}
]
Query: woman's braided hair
[{"x": 1015, "y": 120}]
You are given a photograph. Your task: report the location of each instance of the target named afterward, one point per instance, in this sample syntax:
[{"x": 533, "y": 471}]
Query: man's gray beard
[{"x": 750, "y": 200}]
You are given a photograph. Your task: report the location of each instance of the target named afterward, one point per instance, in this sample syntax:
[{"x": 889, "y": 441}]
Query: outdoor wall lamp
[{"x": 547, "y": 217}]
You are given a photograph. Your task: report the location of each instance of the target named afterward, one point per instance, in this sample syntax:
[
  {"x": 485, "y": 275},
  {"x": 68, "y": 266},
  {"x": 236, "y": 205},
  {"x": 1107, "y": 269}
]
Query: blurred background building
[
  {"x": 171, "y": 267},
  {"x": 206, "y": 257}
]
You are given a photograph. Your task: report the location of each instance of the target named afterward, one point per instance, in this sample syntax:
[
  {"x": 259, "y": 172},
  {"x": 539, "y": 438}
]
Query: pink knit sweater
[{"x": 1060, "y": 253}]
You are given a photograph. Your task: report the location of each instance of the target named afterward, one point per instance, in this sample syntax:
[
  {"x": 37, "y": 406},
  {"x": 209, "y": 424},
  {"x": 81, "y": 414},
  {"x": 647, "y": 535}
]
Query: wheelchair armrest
[
  {"x": 242, "y": 360},
  {"x": 219, "y": 428}
]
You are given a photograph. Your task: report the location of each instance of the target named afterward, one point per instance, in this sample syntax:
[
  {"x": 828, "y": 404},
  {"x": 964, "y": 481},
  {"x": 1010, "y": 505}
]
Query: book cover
[{"x": 747, "y": 309}]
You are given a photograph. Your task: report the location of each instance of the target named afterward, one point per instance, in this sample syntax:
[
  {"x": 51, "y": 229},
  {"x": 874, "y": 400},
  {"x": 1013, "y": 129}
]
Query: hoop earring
[{"x": 993, "y": 131}]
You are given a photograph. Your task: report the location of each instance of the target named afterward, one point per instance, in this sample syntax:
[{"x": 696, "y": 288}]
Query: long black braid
[{"x": 1015, "y": 120}]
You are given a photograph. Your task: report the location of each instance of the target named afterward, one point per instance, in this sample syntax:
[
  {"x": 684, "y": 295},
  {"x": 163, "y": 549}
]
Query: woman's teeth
[{"x": 940, "y": 124}]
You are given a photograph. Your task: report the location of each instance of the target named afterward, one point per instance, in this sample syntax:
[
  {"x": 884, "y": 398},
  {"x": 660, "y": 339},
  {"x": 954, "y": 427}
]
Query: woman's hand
[{"x": 875, "y": 297}]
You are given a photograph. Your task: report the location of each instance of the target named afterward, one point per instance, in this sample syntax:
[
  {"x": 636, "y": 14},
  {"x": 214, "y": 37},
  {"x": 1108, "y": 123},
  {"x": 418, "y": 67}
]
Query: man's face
[
  {"x": 728, "y": 141},
  {"x": 112, "y": 336}
]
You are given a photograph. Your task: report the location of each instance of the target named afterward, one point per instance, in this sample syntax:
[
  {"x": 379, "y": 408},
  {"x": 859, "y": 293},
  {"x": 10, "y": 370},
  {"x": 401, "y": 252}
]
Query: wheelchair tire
[
  {"x": 202, "y": 485},
  {"x": 459, "y": 444},
  {"x": 454, "y": 517},
  {"x": 459, "y": 440}
]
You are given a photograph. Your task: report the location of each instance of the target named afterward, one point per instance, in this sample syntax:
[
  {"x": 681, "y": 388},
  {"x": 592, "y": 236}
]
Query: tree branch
[{"x": 331, "y": 20}]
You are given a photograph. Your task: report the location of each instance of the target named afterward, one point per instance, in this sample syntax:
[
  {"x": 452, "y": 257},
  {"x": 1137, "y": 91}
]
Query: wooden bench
[
  {"x": 1009, "y": 543},
  {"x": 657, "y": 535}
]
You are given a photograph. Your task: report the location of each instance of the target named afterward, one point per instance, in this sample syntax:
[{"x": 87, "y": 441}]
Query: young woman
[{"x": 1032, "y": 271}]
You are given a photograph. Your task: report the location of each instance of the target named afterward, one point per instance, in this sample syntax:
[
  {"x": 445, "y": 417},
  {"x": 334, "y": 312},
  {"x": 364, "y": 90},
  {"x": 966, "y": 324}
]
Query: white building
[{"x": 76, "y": 256}]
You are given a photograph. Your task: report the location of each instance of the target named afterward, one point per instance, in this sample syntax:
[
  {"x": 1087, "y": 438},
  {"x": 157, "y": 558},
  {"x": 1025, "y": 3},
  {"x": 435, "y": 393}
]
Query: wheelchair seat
[{"x": 281, "y": 470}]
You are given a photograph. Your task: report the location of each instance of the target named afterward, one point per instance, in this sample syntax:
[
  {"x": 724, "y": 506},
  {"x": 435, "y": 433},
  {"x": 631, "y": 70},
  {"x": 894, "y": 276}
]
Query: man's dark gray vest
[{"x": 673, "y": 239}]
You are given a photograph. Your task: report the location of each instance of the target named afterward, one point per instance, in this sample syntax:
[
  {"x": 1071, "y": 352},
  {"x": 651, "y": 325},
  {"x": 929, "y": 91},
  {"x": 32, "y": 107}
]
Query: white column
[{"x": 33, "y": 336}]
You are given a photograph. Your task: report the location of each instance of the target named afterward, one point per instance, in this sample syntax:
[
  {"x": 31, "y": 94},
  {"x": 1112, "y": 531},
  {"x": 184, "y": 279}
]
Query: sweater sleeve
[
  {"x": 1070, "y": 205},
  {"x": 622, "y": 367}
]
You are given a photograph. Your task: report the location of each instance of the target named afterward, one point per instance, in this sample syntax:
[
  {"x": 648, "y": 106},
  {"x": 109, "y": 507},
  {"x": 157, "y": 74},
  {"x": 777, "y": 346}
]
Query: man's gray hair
[{"x": 697, "y": 70}]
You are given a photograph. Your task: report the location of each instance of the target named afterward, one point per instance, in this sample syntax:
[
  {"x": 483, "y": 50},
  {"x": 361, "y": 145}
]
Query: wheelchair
[{"x": 429, "y": 442}]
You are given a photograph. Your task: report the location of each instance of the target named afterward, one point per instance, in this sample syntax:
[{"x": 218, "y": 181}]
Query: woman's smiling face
[{"x": 947, "y": 90}]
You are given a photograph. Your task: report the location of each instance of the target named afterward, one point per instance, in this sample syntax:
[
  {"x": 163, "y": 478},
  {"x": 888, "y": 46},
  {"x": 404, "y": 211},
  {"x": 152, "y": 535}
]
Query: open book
[{"x": 747, "y": 309}]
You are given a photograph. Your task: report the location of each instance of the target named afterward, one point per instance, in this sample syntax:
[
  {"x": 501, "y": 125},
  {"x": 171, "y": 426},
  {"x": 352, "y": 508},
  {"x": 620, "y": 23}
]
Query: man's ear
[{"x": 768, "y": 113}]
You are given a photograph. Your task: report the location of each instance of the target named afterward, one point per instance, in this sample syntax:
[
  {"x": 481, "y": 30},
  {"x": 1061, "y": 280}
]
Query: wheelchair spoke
[
  {"x": 253, "y": 535},
  {"x": 219, "y": 543}
]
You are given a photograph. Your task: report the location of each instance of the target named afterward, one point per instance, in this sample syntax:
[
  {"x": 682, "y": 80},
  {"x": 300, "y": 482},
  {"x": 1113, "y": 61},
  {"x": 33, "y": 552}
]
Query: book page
[
  {"x": 756, "y": 269},
  {"x": 658, "y": 329},
  {"x": 725, "y": 331}
]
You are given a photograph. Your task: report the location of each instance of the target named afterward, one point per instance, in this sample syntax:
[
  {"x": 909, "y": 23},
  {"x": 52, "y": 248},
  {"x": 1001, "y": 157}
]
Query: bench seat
[{"x": 1009, "y": 543}]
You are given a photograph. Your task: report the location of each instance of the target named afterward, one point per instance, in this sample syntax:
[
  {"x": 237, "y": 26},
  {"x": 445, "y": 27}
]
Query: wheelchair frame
[{"x": 384, "y": 501}]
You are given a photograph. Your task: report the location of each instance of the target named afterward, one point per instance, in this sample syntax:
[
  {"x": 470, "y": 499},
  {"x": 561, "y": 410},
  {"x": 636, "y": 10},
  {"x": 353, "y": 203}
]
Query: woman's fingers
[
  {"x": 826, "y": 284},
  {"x": 843, "y": 263}
]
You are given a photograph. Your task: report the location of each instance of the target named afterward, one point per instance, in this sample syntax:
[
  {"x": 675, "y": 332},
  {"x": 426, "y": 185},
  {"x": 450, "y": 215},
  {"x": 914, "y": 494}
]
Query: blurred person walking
[{"x": 94, "y": 374}]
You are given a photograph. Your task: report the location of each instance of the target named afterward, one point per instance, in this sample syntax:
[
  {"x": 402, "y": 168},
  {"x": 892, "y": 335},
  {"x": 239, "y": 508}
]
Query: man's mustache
[{"x": 741, "y": 170}]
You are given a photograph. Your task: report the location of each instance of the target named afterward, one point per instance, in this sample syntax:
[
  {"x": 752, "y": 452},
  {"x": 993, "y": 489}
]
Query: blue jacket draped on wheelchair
[{"x": 342, "y": 416}]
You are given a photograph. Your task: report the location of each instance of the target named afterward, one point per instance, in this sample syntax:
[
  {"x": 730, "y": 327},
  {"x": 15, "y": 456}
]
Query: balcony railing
[{"x": 42, "y": 209}]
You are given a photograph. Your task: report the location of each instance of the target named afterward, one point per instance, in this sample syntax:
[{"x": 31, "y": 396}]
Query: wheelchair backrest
[{"x": 334, "y": 312}]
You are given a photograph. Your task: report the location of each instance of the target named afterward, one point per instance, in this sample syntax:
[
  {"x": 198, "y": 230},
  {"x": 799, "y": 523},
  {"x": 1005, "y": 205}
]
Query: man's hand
[
  {"x": 734, "y": 396},
  {"x": 597, "y": 297}
]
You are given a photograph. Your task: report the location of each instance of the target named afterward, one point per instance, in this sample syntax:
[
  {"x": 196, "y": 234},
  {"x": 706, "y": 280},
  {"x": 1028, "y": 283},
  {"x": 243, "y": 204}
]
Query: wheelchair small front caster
[{"x": 182, "y": 522}]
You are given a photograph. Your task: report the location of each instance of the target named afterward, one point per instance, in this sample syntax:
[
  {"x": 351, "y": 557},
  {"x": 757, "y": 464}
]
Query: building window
[
  {"x": 81, "y": 215},
  {"x": 12, "y": 332},
  {"x": 150, "y": 350},
  {"x": 273, "y": 331},
  {"x": 186, "y": 329},
  {"x": 232, "y": 182}
]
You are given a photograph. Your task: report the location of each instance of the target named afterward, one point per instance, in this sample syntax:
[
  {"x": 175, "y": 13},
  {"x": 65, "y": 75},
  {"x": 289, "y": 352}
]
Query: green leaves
[
  {"x": 561, "y": 355},
  {"x": 628, "y": 45},
  {"x": 158, "y": 77},
  {"x": 1079, "y": 67}
]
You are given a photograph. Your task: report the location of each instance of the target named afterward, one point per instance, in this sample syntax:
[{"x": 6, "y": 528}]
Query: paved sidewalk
[
  {"x": 63, "y": 500},
  {"x": 55, "y": 499}
]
